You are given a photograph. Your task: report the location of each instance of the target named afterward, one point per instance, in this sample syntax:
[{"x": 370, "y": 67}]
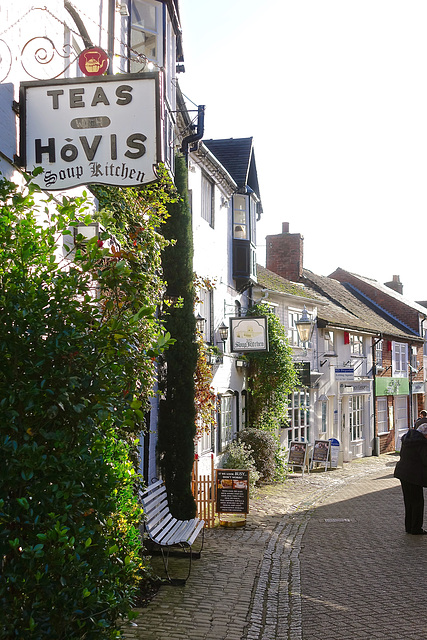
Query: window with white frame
[
  {"x": 206, "y": 311},
  {"x": 382, "y": 416},
  {"x": 399, "y": 352},
  {"x": 207, "y": 439},
  {"x": 414, "y": 355},
  {"x": 379, "y": 353},
  {"x": 356, "y": 417},
  {"x": 253, "y": 216},
  {"x": 241, "y": 220},
  {"x": 226, "y": 420},
  {"x": 146, "y": 33},
  {"x": 328, "y": 337},
  {"x": 356, "y": 344},
  {"x": 208, "y": 199},
  {"x": 299, "y": 416}
]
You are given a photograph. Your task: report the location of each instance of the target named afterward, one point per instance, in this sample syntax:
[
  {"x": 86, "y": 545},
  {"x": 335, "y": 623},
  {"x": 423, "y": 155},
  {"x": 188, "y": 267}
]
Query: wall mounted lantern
[
  {"x": 223, "y": 333},
  {"x": 200, "y": 323},
  {"x": 304, "y": 326}
]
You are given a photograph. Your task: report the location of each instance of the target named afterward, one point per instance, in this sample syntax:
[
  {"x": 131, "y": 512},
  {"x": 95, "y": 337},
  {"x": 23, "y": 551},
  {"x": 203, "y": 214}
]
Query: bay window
[{"x": 244, "y": 237}]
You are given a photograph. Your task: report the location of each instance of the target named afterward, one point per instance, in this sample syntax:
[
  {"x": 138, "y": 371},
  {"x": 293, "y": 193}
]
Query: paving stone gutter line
[{"x": 247, "y": 584}]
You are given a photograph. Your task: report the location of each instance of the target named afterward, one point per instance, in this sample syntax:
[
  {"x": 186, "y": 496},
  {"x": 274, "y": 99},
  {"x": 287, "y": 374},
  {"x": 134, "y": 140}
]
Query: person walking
[
  {"x": 421, "y": 420},
  {"x": 411, "y": 470}
]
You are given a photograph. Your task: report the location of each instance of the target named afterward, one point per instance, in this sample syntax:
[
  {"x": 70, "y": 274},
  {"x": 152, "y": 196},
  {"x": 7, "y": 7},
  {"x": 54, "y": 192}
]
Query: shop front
[
  {"x": 355, "y": 418},
  {"x": 392, "y": 398}
]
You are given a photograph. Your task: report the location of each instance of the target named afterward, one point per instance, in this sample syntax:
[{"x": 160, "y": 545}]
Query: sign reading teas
[{"x": 102, "y": 130}]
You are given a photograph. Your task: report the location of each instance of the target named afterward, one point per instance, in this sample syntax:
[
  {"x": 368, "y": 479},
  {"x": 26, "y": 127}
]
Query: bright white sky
[{"x": 334, "y": 93}]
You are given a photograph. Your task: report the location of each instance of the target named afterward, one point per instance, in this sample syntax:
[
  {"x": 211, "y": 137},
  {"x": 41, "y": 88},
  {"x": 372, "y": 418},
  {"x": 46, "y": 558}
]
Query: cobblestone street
[{"x": 321, "y": 557}]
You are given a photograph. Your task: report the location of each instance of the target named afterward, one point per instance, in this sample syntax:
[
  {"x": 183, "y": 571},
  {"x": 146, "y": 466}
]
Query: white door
[{"x": 400, "y": 418}]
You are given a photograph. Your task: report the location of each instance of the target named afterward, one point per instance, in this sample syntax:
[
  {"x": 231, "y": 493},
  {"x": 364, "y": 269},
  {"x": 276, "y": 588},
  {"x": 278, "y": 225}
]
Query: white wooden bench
[{"x": 167, "y": 532}]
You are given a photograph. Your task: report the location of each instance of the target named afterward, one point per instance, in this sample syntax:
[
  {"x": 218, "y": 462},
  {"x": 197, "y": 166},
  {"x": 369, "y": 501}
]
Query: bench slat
[
  {"x": 159, "y": 494},
  {"x": 161, "y": 526},
  {"x": 159, "y": 520},
  {"x": 179, "y": 533}
]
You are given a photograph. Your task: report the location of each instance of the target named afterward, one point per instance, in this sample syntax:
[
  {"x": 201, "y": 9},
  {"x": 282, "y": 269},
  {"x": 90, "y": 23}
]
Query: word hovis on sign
[{"x": 91, "y": 130}]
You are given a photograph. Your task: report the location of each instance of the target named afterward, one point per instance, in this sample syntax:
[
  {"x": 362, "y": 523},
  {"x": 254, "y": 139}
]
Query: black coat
[{"x": 412, "y": 466}]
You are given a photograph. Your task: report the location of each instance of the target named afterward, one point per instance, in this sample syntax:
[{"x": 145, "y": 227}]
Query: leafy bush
[
  {"x": 75, "y": 374},
  {"x": 272, "y": 375},
  {"x": 264, "y": 448},
  {"x": 281, "y": 463},
  {"x": 238, "y": 455}
]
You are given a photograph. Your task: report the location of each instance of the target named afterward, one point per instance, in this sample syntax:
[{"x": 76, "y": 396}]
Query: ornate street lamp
[
  {"x": 304, "y": 326},
  {"x": 223, "y": 333},
  {"x": 200, "y": 323}
]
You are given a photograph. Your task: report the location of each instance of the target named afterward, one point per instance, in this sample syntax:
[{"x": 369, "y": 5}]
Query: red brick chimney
[
  {"x": 395, "y": 284},
  {"x": 285, "y": 254}
]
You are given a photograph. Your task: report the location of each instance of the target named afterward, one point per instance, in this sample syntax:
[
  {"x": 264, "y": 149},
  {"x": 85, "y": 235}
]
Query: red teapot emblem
[{"x": 93, "y": 61}]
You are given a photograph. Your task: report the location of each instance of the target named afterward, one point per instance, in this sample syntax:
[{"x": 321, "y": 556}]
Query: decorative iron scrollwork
[
  {"x": 5, "y": 60},
  {"x": 41, "y": 50}
]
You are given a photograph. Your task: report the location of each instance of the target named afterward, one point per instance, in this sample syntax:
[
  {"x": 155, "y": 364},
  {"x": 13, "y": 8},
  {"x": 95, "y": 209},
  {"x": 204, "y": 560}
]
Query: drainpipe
[
  {"x": 79, "y": 24},
  {"x": 376, "y": 448},
  {"x": 200, "y": 130},
  {"x": 236, "y": 394},
  {"x": 110, "y": 40}
]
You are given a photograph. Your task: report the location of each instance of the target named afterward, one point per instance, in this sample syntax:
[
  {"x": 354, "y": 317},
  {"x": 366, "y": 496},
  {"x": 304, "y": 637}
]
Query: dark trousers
[{"x": 413, "y": 497}]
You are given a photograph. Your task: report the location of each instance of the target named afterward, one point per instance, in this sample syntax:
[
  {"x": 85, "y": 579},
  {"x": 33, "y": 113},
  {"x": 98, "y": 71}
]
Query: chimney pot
[
  {"x": 285, "y": 227},
  {"x": 395, "y": 284}
]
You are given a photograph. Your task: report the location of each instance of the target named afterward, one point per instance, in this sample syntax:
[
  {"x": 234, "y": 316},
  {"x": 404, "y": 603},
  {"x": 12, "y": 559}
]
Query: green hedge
[{"x": 72, "y": 384}]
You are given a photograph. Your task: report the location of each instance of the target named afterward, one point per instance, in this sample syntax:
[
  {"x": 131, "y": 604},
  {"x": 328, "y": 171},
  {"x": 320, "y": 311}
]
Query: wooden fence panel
[{"x": 203, "y": 488}]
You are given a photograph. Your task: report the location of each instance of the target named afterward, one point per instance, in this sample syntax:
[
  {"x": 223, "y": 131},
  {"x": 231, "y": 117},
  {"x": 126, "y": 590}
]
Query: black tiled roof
[{"x": 237, "y": 156}]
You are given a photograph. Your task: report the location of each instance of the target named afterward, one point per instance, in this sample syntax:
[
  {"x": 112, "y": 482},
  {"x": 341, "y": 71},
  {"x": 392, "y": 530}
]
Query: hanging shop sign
[
  {"x": 357, "y": 387},
  {"x": 93, "y": 61},
  {"x": 391, "y": 386},
  {"x": 249, "y": 334},
  {"x": 102, "y": 130},
  {"x": 344, "y": 373},
  {"x": 303, "y": 372}
]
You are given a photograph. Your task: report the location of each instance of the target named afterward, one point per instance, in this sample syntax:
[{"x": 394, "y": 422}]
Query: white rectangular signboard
[
  {"x": 344, "y": 374},
  {"x": 249, "y": 334},
  {"x": 102, "y": 130}
]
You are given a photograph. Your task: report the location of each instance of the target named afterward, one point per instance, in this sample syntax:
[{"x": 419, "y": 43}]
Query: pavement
[{"x": 321, "y": 557}]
